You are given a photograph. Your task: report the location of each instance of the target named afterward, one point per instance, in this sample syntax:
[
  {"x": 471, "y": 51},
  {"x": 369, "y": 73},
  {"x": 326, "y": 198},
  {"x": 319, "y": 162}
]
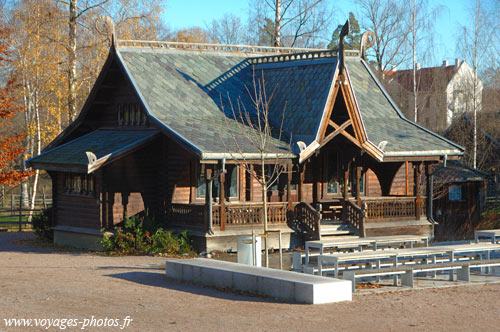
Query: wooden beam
[
  {"x": 288, "y": 186},
  {"x": 337, "y": 131},
  {"x": 345, "y": 133},
  {"x": 302, "y": 172},
  {"x": 358, "y": 187},
  {"x": 417, "y": 190},
  {"x": 331, "y": 104},
  {"x": 222, "y": 201}
]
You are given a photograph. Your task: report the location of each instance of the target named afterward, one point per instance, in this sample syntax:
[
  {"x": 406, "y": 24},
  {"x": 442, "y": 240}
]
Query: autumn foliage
[{"x": 10, "y": 148}]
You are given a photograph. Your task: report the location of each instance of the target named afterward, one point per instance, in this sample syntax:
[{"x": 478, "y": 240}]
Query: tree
[
  {"x": 386, "y": 19},
  {"x": 191, "y": 35},
  {"x": 296, "y": 22},
  {"x": 10, "y": 149},
  {"x": 352, "y": 40},
  {"x": 227, "y": 30},
  {"x": 256, "y": 126},
  {"x": 421, "y": 26},
  {"x": 475, "y": 47}
]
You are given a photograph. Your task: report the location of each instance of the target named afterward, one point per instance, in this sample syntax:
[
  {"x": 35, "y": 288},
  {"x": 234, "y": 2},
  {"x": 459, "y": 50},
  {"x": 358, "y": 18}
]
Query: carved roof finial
[
  {"x": 367, "y": 41},
  {"x": 343, "y": 33},
  {"x": 108, "y": 28}
]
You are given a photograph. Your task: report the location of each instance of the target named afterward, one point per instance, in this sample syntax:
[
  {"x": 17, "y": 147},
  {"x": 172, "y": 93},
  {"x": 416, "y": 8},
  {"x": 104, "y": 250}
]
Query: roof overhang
[{"x": 77, "y": 155}]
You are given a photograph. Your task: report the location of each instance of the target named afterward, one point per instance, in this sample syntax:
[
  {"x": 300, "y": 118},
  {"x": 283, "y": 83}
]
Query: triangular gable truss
[{"x": 344, "y": 87}]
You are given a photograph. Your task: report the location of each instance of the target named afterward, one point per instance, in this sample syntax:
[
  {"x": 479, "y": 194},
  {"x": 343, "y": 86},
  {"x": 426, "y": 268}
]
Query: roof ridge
[{"x": 216, "y": 47}]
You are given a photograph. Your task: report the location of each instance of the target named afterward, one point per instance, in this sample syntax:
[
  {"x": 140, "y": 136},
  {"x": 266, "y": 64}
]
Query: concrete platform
[{"x": 283, "y": 285}]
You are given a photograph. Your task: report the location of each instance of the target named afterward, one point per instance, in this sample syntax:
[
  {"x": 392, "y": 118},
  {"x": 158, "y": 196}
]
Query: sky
[{"x": 186, "y": 13}]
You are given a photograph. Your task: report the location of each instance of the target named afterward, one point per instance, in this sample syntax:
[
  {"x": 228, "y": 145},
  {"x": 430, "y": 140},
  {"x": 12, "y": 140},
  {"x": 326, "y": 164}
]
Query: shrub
[
  {"x": 134, "y": 238},
  {"x": 42, "y": 224}
]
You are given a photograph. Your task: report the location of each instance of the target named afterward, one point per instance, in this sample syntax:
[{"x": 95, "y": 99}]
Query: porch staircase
[{"x": 335, "y": 228}]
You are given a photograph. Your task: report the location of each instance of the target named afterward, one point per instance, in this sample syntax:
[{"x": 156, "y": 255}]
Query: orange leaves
[{"x": 191, "y": 35}]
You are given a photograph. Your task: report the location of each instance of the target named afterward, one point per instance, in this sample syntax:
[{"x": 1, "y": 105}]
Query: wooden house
[
  {"x": 459, "y": 199},
  {"x": 156, "y": 129}
]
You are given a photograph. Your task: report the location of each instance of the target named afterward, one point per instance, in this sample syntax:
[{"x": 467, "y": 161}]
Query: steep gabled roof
[
  {"x": 384, "y": 122},
  {"x": 189, "y": 94}
]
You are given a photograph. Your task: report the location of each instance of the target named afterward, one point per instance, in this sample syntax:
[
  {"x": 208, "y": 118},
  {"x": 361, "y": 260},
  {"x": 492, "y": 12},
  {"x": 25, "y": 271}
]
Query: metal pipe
[{"x": 281, "y": 251}]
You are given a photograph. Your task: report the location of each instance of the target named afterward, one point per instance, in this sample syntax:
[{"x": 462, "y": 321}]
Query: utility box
[{"x": 245, "y": 254}]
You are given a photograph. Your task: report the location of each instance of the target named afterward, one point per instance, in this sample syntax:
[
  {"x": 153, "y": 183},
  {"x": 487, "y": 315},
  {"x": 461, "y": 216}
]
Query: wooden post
[
  {"x": 250, "y": 184},
  {"x": 358, "y": 187},
  {"x": 417, "y": 190},
  {"x": 302, "y": 171},
  {"x": 429, "y": 189},
  {"x": 44, "y": 199},
  {"x": 316, "y": 180},
  {"x": 20, "y": 205},
  {"x": 208, "y": 196},
  {"x": 3, "y": 195},
  {"x": 222, "y": 201},
  {"x": 346, "y": 179},
  {"x": 288, "y": 186}
]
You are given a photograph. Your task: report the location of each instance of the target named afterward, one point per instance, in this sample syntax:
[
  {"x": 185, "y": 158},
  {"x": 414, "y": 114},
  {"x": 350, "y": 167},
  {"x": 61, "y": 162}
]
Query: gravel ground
[{"x": 53, "y": 284}]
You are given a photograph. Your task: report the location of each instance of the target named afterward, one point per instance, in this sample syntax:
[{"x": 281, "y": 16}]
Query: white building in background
[{"x": 444, "y": 93}]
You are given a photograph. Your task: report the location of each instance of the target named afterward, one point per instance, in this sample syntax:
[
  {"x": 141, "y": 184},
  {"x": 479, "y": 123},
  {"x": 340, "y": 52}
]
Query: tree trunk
[
  {"x": 264, "y": 213},
  {"x": 73, "y": 12},
  {"x": 277, "y": 24},
  {"x": 39, "y": 150},
  {"x": 413, "y": 7}
]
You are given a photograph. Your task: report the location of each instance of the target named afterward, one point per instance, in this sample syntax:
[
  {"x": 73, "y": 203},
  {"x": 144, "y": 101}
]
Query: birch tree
[{"x": 475, "y": 45}]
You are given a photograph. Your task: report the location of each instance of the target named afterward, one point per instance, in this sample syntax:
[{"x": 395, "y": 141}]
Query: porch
[{"x": 375, "y": 215}]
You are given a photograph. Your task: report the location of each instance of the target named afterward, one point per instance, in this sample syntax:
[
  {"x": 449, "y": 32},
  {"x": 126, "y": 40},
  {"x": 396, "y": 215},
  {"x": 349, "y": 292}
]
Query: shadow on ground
[
  {"x": 157, "y": 279},
  {"x": 28, "y": 242}
]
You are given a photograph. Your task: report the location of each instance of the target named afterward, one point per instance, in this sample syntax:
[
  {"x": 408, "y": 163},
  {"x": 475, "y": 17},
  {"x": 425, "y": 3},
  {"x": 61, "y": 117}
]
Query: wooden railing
[
  {"x": 307, "y": 219},
  {"x": 355, "y": 216},
  {"x": 186, "y": 214},
  {"x": 251, "y": 214},
  {"x": 394, "y": 207}
]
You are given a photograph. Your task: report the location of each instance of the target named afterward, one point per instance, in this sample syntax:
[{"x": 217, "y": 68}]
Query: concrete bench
[
  {"x": 407, "y": 273},
  {"x": 284, "y": 285}
]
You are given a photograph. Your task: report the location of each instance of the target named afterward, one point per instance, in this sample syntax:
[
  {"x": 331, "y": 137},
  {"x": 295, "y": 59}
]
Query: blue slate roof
[
  {"x": 104, "y": 144},
  {"x": 384, "y": 122},
  {"x": 191, "y": 93}
]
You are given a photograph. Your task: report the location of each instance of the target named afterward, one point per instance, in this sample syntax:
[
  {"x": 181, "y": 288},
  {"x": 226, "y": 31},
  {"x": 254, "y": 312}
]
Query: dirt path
[{"x": 42, "y": 283}]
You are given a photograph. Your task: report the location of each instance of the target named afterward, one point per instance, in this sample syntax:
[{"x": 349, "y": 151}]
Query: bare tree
[
  {"x": 475, "y": 45},
  {"x": 227, "y": 30},
  {"x": 295, "y": 22},
  {"x": 421, "y": 25},
  {"x": 256, "y": 126},
  {"x": 386, "y": 19}
]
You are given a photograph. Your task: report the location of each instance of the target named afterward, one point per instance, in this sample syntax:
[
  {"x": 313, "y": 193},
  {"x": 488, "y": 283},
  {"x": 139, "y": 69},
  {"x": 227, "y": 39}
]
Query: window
[
  {"x": 79, "y": 184},
  {"x": 455, "y": 193},
  {"x": 201, "y": 188},
  {"x": 232, "y": 181},
  {"x": 130, "y": 114}
]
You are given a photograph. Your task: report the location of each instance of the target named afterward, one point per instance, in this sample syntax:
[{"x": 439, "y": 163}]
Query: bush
[
  {"x": 42, "y": 224},
  {"x": 134, "y": 238}
]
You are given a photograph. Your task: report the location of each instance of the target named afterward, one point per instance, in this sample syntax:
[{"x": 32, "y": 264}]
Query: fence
[{"x": 14, "y": 213}]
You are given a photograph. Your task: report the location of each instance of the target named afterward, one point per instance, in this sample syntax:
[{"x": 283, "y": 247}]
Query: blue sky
[{"x": 186, "y": 13}]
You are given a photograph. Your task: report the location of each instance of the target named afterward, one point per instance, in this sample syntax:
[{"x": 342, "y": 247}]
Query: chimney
[
  {"x": 445, "y": 63},
  {"x": 457, "y": 62},
  {"x": 417, "y": 65}
]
